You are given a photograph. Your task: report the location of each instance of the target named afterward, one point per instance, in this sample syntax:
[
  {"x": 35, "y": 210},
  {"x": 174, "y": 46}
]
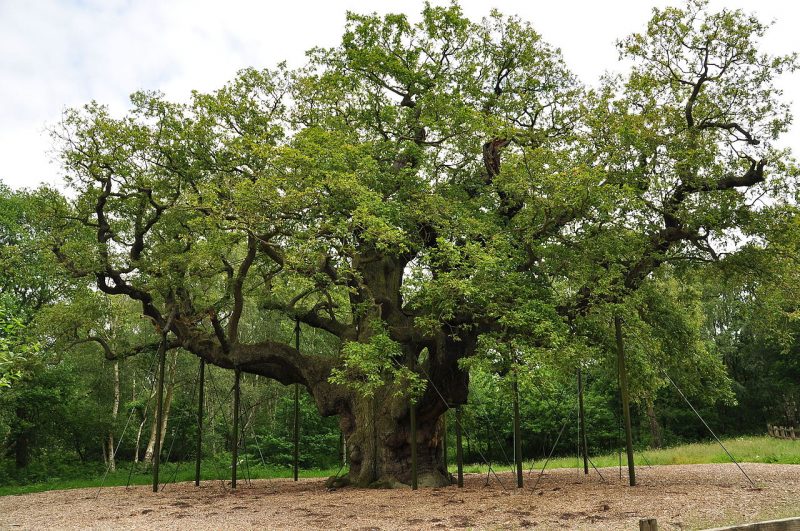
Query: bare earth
[{"x": 680, "y": 497}]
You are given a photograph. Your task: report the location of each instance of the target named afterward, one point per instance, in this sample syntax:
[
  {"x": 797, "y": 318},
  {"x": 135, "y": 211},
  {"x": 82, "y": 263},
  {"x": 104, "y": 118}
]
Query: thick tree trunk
[
  {"x": 378, "y": 438},
  {"x": 377, "y": 430}
]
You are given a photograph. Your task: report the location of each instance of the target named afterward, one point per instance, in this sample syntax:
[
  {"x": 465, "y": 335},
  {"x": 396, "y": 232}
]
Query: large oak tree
[{"x": 418, "y": 192}]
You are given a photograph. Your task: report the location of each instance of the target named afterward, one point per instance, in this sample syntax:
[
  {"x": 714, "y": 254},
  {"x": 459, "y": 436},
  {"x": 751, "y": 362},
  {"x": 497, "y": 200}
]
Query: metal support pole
[
  {"x": 488, "y": 447},
  {"x": 459, "y": 449},
  {"x": 200, "y": 422},
  {"x": 517, "y": 434},
  {"x": 584, "y": 443},
  {"x": 626, "y": 410},
  {"x": 374, "y": 439},
  {"x": 296, "y": 435},
  {"x": 235, "y": 435},
  {"x": 162, "y": 354},
  {"x": 444, "y": 443},
  {"x": 296, "y": 455},
  {"x": 413, "y": 415}
]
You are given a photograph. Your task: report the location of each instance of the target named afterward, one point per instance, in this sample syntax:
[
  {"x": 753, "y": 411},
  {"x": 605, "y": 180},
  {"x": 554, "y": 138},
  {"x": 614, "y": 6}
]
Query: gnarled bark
[{"x": 378, "y": 434}]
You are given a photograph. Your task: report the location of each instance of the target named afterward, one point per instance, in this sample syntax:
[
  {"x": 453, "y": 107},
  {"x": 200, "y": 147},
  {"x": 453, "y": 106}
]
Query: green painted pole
[
  {"x": 626, "y": 410},
  {"x": 296, "y": 455},
  {"x": 488, "y": 447},
  {"x": 162, "y": 354},
  {"x": 413, "y": 415},
  {"x": 517, "y": 434},
  {"x": 584, "y": 443},
  {"x": 444, "y": 443},
  {"x": 459, "y": 449},
  {"x": 374, "y": 439},
  {"x": 296, "y": 434},
  {"x": 235, "y": 435},
  {"x": 200, "y": 423}
]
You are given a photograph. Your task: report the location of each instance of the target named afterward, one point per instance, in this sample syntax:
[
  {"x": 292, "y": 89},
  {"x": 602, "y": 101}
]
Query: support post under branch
[
  {"x": 235, "y": 434},
  {"x": 626, "y": 409},
  {"x": 162, "y": 355},
  {"x": 200, "y": 422}
]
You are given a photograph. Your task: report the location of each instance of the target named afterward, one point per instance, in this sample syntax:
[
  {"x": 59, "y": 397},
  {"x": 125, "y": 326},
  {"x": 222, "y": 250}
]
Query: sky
[{"x": 60, "y": 54}]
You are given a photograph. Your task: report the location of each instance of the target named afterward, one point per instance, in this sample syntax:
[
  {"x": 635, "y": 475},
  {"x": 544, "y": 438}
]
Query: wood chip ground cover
[{"x": 680, "y": 497}]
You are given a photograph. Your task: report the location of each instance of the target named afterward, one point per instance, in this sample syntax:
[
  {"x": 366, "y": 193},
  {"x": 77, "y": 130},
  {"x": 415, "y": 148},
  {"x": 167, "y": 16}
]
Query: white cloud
[{"x": 57, "y": 54}]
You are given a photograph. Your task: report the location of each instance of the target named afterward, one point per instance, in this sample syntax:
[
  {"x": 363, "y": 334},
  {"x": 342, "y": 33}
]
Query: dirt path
[{"x": 679, "y": 496}]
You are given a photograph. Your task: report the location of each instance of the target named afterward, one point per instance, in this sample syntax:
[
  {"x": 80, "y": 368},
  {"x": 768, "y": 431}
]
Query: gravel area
[{"x": 680, "y": 497}]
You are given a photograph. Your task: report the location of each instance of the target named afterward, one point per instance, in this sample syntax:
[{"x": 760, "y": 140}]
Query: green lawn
[
  {"x": 211, "y": 471},
  {"x": 744, "y": 449}
]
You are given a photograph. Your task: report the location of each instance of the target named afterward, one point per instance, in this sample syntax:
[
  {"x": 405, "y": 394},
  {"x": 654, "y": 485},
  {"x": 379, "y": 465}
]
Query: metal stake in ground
[
  {"x": 584, "y": 445},
  {"x": 517, "y": 434},
  {"x": 162, "y": 354},
  {"x": 200, "y": 423},
  {"x": 459, "y": 449},
  {"x": 296, "y": 455},
  {"x": 235, "y": 434},
  {"x": 626, "y": 410}
]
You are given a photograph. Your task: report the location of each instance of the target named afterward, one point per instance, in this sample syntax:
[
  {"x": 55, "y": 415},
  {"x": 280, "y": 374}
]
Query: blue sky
[{"x": 59, "y": 54}]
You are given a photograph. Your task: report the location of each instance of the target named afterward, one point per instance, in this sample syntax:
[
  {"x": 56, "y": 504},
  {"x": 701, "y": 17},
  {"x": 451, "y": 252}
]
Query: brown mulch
[{"x": 685, "y": 496}]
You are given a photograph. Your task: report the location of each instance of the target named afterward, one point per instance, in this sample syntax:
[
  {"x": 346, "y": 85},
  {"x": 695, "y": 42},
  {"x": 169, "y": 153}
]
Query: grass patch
[
  {"x": 211, "y": 470},
  {"x": 744, "y": 449}
]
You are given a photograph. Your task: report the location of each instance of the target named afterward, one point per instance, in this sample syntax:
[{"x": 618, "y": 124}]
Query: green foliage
[
  {"x": 368, "y": 366},
  {"x": 13, "y": 349}
]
